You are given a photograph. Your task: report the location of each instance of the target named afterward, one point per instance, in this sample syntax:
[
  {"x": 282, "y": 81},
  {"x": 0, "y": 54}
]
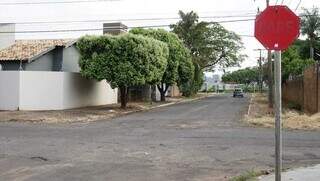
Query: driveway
[{"x": 200, "y": 140}]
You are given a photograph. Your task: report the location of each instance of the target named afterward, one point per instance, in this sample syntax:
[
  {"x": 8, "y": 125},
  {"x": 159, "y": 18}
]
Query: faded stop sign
[{"x": 277, "y": 27}]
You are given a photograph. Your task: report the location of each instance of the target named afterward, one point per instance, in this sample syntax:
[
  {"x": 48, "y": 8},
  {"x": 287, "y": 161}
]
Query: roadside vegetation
[
  {"x": 160, "y": 58},
  {"x": 247, "y": 77},
  {"x": 261, "y": 116},
  {"x": 89, "y": 114},
  {"x": 211, "y": 46},
  {"x": 179, "y": 68},
  {"x": 248, "y": 176},
  {"x": 310, "y": 26},
  {"x": 124, "y": 61}
]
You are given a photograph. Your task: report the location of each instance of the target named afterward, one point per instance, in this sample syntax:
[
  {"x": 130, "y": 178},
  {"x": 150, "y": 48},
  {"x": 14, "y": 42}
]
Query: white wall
[
  {"x": 9, "y": 90},
  {"x": 41, "y": 90},
  {"x": 38, "y": 90},
  {"x": 91, "y": 92}
]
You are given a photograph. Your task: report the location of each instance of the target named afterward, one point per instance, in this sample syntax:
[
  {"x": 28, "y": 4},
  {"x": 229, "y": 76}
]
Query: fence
[
  {"x": 304, "y": 91},
  {"x": 39, "y": 90}
]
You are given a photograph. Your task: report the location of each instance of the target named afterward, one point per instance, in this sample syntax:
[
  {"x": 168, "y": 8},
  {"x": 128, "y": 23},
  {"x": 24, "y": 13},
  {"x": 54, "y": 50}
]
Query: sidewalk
[
  {"x": 89, "y": 114},
  {"x": 306, "y": 174}
]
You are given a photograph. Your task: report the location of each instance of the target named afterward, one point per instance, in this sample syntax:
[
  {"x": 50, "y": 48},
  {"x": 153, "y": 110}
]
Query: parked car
[{"x": 238, "y": 93}]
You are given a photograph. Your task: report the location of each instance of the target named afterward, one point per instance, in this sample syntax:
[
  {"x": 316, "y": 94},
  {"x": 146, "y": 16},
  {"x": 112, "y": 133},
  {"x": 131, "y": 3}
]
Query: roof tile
[{"x": 24, "y": 50}]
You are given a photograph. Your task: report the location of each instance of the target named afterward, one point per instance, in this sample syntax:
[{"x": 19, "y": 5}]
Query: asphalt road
[{"x": 201, "y": 140}]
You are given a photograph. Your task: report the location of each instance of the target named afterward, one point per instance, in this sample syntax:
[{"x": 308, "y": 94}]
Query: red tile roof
[{"x": 24, "y": 50}]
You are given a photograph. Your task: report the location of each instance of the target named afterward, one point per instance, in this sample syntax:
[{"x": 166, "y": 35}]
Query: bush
[
  {"x": 179, "y": 67},
  {"x": 126, "y": 60},
  {"x": 192, "y": 86}
]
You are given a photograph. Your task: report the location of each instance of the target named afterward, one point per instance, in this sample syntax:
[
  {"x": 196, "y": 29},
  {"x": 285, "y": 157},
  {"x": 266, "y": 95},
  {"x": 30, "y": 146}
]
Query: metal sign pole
[{"x": 278, "y": 124}]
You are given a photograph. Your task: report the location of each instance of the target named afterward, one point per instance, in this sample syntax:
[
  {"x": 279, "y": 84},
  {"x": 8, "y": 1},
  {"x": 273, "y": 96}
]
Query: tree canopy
[
  {"x": 310, "y": 26},
  {"x": 211, "y": 44},
  {"x": 303, "y": 47},
  {"x": 293, "y": 64},
  {"x": 242, "y": 76},
  {"x": 125, "y": 60},
  {"x": 179, "y": 66}
]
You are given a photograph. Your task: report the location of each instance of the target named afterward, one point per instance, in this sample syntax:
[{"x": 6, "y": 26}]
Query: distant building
[{"x": 211, "y": 81}]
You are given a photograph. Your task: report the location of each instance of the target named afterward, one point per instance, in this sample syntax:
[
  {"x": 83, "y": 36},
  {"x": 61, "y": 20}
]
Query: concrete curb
[
  {"x": 182, "y": 101},
  {"x": 127, "y": 112},
  {"x": 250, "y": 103},
  {"x": 311, "y": 173},
  {"x": 167, "y": 104}
]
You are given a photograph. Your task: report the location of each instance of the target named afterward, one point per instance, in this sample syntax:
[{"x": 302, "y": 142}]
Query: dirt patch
[
  {"x": 260, "y": 115},
  {"x": 87, "y": 114},
  {"x": 71, "y": 115}
]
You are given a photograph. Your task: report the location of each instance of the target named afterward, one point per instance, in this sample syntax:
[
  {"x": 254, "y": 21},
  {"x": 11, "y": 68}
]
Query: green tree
[
  {"x": 310, "y": 26},
  {"x": 222, "y": 48},
  {"x": 126, "y": 60},
  {"x": 178, "y": 55},
  {"x": 211, "y": 45},
  {"x": 303, "y": 47},
  {"x": 293, "y": 64},
  {"x": 186, "y": 75},
  {"x": 191, "y": 31},
  {"x": 243, "y": 76}
]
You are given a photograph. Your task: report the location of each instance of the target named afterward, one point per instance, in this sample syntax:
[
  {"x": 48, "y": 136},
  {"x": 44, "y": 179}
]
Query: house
[
  {"x": 43, "y": 55},
  {"x": 36, "y": 55},
  {"x": 44, "y": 75}
]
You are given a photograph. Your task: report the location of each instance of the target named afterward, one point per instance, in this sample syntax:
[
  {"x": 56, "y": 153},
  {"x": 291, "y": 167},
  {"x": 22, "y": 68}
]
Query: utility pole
[
  {"x": 260, "y": 70},
  {"x": 270, "y": 73}
]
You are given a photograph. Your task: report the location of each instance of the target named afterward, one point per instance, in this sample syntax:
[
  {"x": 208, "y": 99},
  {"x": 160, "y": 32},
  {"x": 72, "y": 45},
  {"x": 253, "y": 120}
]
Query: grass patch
[
  {"x": 248, "y": 176},
  {"x": 262, "y": 116}
]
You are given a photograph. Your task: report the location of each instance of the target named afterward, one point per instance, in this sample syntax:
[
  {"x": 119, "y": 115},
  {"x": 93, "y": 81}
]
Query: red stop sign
[{"x": 277, "y": 27}]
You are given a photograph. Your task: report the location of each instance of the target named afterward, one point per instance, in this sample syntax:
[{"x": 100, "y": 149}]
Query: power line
[
  {"x": 249, "y": 36},
  {"x": 248, "y": 15},
  {"x": 298, "y": 5},
  {"x": 110, "y": 28},
  {"x": 142, "y": 19},
  {"x": 131, "y": 19},
  {"x": 53, "y": 2},
  {"x": 232, "y": 21}
]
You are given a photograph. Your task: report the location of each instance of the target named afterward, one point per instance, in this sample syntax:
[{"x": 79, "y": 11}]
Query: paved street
[{"x": 201, "y": 140}]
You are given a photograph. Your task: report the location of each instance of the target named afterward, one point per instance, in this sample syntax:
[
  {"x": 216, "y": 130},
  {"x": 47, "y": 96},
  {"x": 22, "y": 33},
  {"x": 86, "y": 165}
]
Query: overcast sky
[{"x": 137, "y": 9}]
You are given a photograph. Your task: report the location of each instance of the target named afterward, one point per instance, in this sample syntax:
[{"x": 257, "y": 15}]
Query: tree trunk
[
  {"x": 153, "y": 93},
  {"x": 260, "y": 74},
  {"x": 312, "y": 43},
  {"x": 123, "y": 96},
  {"x": 163, "y": 96},
  {"x": 163, "y": 89},
  {"x": 311, "y": 52},
  {"x": 270, "y": 80}
]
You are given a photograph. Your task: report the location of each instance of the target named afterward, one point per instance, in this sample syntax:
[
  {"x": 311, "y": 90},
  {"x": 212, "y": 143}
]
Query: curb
[
  {"x": 167, "y": 104},
  {"x": 128, "y": 112},
  {"x": 182, "y": 101},
  {"x": 250, "y": 103}
]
